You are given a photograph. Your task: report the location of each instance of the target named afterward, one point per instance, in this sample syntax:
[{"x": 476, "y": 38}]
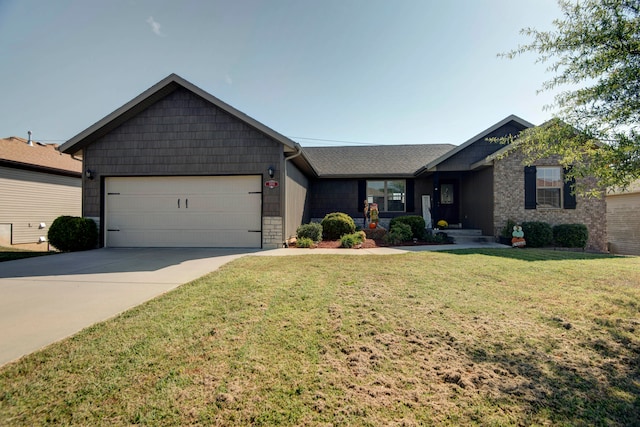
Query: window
[
  {"x": 549, "y": 186},
  {"x": 545, "y": 187},
  {"x": 390, "y": 195}
]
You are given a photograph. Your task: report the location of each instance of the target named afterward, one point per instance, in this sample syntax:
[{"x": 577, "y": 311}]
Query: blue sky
[{"x": 366, "y": 71}]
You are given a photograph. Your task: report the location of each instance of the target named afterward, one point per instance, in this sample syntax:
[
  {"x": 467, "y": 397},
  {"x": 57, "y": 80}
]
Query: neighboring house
[
  {"x": 37, "y": 184},
  {"x": 178, "y": 167},
  {"x": 623, "y": 220}
]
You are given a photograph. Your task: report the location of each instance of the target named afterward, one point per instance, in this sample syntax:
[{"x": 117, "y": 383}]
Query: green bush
[
  {"x": 399, "y": 233},
  {"x": 537, "y": 234},
  {"x": 336, "y": 225},
  {"x": 311, "y": 231},
  {"x": 416, "y": 223},
  {"x": 304, "y": 242},
  {"x": 350, "y": 240},
  {"x": 571, "y": 235},
  {"x": 507, "y": 230},
  {"x": 70, "y": 234}
]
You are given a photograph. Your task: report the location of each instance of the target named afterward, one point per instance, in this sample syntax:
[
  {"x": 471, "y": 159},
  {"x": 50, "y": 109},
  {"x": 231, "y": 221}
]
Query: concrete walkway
[{"x": 46, "y": 299}]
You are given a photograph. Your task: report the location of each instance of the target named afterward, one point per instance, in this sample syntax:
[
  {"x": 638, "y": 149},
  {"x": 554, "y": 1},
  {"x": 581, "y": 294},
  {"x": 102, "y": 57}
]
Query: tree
[{"x": 595, "y": 50}]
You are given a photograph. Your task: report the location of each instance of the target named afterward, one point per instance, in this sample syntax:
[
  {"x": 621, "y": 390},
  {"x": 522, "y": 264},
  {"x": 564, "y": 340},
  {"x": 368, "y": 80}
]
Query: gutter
[{"x": 298, "y": 152}]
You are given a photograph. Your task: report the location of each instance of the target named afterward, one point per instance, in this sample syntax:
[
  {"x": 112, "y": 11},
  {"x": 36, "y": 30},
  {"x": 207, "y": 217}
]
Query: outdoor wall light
[
  {"x": 271, "y": 171},
  {"x": 89, "y": 174}
]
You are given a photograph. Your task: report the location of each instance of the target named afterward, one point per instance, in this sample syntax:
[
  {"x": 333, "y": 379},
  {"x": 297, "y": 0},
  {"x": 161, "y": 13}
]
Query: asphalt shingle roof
[
  {"x": 374, "y": 160},
  {"x": 16, "y": 150}
]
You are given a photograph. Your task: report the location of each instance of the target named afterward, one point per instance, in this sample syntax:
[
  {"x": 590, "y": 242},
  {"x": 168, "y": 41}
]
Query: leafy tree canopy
[{"x": 594, "y": 47}]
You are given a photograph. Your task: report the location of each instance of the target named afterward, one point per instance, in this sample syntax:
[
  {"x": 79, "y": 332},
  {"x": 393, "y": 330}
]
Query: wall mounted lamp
[
  {"x": 89, "y": 174},
  {"x": 271, "y": 171}
]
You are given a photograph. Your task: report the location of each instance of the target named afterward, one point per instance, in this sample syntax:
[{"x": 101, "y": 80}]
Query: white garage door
[{"x": 183, "y": 211}]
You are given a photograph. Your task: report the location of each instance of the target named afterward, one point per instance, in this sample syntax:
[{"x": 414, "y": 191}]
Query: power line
[{"x": 336, "y": 141}]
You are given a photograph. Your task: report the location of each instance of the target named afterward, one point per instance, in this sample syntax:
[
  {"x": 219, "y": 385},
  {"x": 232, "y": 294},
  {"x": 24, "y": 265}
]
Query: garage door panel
[{"x": 183, "y": 211}]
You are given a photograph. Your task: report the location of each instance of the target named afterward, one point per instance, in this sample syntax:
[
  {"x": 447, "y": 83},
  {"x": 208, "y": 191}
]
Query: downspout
[{"x": 284, "y": 191}]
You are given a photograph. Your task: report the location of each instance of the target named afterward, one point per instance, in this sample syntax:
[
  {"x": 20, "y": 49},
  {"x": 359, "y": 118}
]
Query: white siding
[{"x": 29, "y": 198}]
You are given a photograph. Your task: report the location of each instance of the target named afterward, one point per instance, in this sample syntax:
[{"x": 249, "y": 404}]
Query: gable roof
[
  {"x": 158, "y": 91},
  {"x": 373, "y": 161},
  {"x": 432, "y": 165},
  {"x": 16, "y": 152}
]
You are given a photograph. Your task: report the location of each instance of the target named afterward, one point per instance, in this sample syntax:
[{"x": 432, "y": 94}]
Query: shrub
[
  {"x": 399, "y": 233},
  {"x": 336, "y": 225},
  {"x": 507, "y": 230},
  {"x": 537, "y": 234},
  {"x": 304, "y": 242},
  {"x": 571, "y": 235},
  {"x": 70, "y": 234},
  {"x": 311, "y": 231},
  {"x": 350, "y": 240},
  {"x": 416, "y": 223}
]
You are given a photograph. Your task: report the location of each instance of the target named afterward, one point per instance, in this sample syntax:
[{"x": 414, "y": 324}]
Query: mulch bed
[{"x": 368, "y": 244}]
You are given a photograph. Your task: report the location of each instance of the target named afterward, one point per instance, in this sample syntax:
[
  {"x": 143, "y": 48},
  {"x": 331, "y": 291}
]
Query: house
[
  {"x": 623, "y": 220},
  {"x": 37, "y": 184},
  {"x": 176, "y": 166}
]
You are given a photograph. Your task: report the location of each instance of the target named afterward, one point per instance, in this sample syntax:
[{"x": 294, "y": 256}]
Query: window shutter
[
  {"x": 569, "y": 201},
  {"x": 362, "y": 193},
  {"x": 529, "y": 187},
  {"x": 409, "y": 196}
]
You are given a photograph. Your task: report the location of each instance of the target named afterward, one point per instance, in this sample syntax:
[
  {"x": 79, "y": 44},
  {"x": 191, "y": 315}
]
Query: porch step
[{"x": 468, "y": 235}]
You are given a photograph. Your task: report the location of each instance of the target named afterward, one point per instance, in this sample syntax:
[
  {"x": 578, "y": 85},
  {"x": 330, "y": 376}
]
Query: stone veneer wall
[
  {"x": 508, "y": 193},
  {"x": 272, "y": 232}
]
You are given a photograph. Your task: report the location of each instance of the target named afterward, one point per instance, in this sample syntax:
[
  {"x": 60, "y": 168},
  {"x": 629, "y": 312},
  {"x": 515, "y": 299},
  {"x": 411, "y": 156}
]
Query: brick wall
[{"x": 508, "y": 191}]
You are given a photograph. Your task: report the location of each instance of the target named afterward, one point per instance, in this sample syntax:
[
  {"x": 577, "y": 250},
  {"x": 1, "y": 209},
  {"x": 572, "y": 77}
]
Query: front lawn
[
  {"x": 484, "y": 337},
  {"x": 11, "y": 254}
]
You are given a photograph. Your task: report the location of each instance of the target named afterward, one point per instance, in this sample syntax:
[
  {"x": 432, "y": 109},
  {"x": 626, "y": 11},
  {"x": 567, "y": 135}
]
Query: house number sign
[{"x": 272, "y": 183}]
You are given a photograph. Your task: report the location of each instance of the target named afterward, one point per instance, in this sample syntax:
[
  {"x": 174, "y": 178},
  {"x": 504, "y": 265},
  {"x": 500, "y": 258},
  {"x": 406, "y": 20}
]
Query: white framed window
[
  {"x": 549, "y": 186},
  {"x": 390, "y": 195}
]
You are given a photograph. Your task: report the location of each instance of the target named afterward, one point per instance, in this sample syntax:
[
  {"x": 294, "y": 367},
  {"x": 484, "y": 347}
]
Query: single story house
[
  {"x": 176, "y": 166},
  {"x": 623, "y": 220},
  {"x": 37, "y": 184}
]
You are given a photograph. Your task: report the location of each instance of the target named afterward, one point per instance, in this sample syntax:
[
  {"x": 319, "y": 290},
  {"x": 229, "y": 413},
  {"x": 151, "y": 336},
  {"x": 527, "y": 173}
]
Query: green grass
[
  {"x": 502, "y": 337},
  {"x": 11, "y": 254}
]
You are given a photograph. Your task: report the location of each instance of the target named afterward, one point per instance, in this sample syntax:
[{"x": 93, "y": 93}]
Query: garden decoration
[
  {"x": 517, "y": 240},
  {"x": 365, "y": 211},
  {"x": 442, "y": 223},
  {"x": 373, "y": 215}
]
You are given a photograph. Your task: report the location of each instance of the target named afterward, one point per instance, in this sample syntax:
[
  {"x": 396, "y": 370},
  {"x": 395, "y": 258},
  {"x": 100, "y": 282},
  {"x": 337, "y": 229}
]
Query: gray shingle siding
[{"x": 182, "y": 134}]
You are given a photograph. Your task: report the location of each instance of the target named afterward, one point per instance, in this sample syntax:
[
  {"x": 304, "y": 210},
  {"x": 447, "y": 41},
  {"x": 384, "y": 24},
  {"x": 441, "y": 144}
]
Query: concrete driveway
[{"x": 46, "y": 299}]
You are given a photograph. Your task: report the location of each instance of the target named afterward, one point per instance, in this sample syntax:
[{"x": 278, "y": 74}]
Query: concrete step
[{"x": 467, "y": 235}]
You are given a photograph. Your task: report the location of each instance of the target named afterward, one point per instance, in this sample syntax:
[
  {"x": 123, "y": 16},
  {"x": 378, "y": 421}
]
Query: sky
[{"x": 321, "y": 72}]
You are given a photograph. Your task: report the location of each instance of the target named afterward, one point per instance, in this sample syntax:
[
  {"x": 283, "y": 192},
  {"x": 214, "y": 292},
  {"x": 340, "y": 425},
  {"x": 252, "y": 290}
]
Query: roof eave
[
  {"x": 431, "y": 166},
  {"x": 150, "y": 96}
]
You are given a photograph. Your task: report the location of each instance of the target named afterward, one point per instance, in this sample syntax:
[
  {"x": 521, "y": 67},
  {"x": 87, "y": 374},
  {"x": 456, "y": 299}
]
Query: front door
[{"x": 449, "y": 203}]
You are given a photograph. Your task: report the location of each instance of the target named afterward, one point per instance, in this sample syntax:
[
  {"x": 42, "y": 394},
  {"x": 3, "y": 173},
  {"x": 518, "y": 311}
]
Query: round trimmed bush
[
  {"x": 571, "y": 235},
  {"x": 336, "y": 225},
  {"x": 71, "y": 233},
  {"x": 399, "y": 233},
  {"x": 311, "y": 231},
  {"x": 537, "y": 234}
]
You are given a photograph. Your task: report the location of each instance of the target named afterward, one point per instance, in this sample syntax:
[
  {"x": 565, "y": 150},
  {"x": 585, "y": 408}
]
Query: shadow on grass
[
  {"x": 9, "y": 255},
  {"x": 604, "y": 392},
  {"x": 530, "y": 254}
]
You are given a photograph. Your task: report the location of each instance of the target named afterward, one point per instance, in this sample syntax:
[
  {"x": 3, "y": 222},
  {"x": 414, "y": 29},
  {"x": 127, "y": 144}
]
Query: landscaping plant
[
  {"x": 70, "y": 234},
  {"x": 571, "y": 235},
  {"x": 336, "y": 225}
]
